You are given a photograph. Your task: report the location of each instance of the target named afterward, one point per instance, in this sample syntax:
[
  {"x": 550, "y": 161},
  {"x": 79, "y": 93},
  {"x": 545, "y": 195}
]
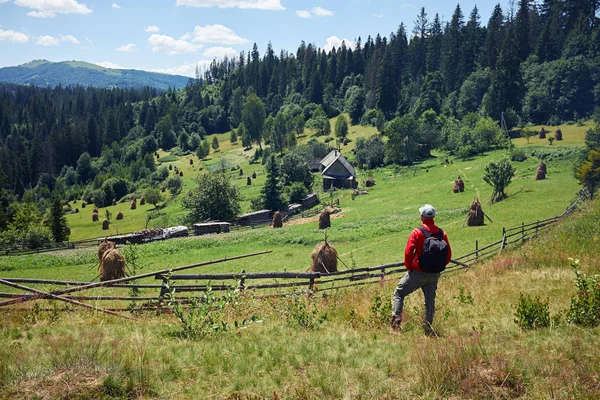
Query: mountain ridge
[{"x": 46, "y": 73}]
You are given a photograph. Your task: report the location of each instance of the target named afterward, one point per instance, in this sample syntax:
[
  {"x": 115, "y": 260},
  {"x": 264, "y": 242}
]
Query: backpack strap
[{"x": 427, "y": 234}]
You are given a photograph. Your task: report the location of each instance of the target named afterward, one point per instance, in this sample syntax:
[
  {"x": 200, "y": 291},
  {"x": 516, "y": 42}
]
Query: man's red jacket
[{"x": 414, "y": 247}]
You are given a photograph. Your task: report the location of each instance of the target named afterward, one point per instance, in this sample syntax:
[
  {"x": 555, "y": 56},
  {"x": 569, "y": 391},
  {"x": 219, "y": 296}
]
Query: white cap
[{"x": 427, "y": 211}]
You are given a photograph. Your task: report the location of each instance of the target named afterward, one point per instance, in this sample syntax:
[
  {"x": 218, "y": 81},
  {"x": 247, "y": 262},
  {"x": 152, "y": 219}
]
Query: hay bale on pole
[
  {"x": 370, "y": 182},
  {"x": 170, "y": 167},
  {"x": 191, "y": 161},
  {"x": 476, "y": 215},
  {"x": 95, "y": 217},
  {"x": 112, "y": 265},
  {"x": 542, "y": 133},
  {"x": 277, "y": 221},
  {"x": 67, "y": 230},
  {"x": 133, "y": 205},
  {"x": 114, "y": 202},
  {"x": 459, "y": 185},
  {"x": 76, "y": 210},
  {"x": 119, "y": 215},
  {"x": 181, "y": 173},
  {"x": 95, "y": 210},
  {"x": 142, "y": 201},
  {"x": 540, "y": 173},
  {"x": 254, "y": 175},
  {"x": 248, "y": 181},
  {"x": 324, "y": 258},
  {"x": 241, "y": 172},
  {"x": 104, "y": 247},
  {"x": 558, "y": 134},
  {"x": 83, "y": 204},
  {"x": 105, "y": 225},
  {"x": 324, "y": 219}
]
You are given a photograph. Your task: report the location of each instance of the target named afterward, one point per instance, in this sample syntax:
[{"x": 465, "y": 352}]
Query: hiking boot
[
  {"x": 429, "y": 331},
  {"x": 395, "y": 325}
]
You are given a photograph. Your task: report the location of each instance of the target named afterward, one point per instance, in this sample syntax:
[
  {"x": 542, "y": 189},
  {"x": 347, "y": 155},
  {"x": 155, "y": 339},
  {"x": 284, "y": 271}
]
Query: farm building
[
  {"x": 310, "y": 200},
  {"x": 337, "y": 171},
  {"x": 255, "y": 217},
  {"x": 211, "y": 227}
]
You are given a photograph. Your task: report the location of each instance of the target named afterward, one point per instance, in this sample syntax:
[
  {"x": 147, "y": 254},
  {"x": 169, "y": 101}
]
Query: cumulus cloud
[
  {"x": 115, "y": 5},
  {"x": 378, "y": 15},
  {"x": 49, "y": 8},
  {"x": 216, "y": 34},
  {"x": 152, "y": 29},
  {"x": 187, "y": 69},
  {"x": 47, "y": 40},
  {"x": 321, "y": 12},
  {"x": 4, "y": 1},
  {"x": 12, "y": 36},
  {"x": 108, "y": 64},
  {"x": 303, "y": 13},
  {"x": 243, "y": 4},
  {"x": 334, "y": 41},
  {"x": 69, "y": 38},
  {"x": 127, "y": 48},
  {"x": 219, "y": 52},
  {"x": 170, "y": 45}
]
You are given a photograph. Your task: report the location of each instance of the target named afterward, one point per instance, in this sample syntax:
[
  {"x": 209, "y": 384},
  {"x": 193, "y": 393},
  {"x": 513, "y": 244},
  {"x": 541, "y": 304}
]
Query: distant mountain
[{"x": 45, "y": 73}]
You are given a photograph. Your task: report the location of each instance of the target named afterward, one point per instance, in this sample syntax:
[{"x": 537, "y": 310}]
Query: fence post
[
  {"x": 503, "y": 239},
  {"x": 476, "y": 250},
  {"x": 163, "y": 289},
  {"x": 537, "y": 225},
  {"x": 382, "y": 279},
  {"x": 522, "y": 232},
  {"x": 242, "y": 281},
  {"x": 311, "y": 285}
]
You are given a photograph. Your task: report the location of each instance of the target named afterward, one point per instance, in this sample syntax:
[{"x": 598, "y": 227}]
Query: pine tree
[
  {"x": 253, "y": 118},
  {"x": 58, "y": 221},
  {"x": 523, "y": 31},
  {"x": 271, "y": 192},
  {"x": 452, "y": 48},
  {"x": 494, "y": 38},
  {"x": 434, "y": 45}
]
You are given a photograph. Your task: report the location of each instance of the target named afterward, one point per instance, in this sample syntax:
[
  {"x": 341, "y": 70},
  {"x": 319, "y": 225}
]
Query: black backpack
[{"x": 435, "y": 252}]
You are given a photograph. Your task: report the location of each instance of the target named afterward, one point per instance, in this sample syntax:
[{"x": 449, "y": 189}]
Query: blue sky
[{"x": 173, "y": 36}]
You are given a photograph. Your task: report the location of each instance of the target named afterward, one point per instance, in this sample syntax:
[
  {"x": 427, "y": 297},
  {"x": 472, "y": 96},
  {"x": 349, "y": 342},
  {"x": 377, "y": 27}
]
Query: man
[{"x": 423, "y": 269}]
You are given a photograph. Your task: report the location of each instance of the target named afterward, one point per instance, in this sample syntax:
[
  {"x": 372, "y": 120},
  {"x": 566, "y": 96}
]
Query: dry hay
[
  {"x": 181, "y": 173},
  {"x": 476, "y": 215},
  {"x": 370, "y": 182},
  {"x": 83, "y": 204},
  {"x": 558, "y": 134},
  {"x": 119, "y": 215},
  {"x": 241, "y": 172},
  {"x": 542, "y": 133},
  {"x": 105, "y": 225},
  {"x": 324, "y": 258},
  {"x": 540, "y": 173},
  {"x": 94, "y": 217},
  {"x": 346, "y": 141},
  {"x": 191, "y": 162},
  {"x": 133, "y": 204},
  {"x": 142, "y": 201},
  {"x": 170, "y": 167},
  {"x": 95, "y": 210},
  {"x": 104, "y": 247},
  {"x": 112, "y": 265},
  {"x": 76, "y": 210},
  {"x": 277, "y": 220},
  {"x": 114, "y": 202},
  {"x": 325, "y": 219},
  {"x": 248, "y": 181},
  {"x": 459, "y": 185},
  {"x": 67, "y": 230},
  {"x": 254, "y": 175}
]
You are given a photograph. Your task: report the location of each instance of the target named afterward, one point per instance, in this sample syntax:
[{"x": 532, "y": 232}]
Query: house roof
[
  {"x": 329, "y": 158},
  {"x": 345, "y": 163}
]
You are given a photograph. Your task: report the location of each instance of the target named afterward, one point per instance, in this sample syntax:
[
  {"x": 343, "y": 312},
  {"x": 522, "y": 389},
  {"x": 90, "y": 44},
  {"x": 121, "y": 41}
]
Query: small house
[
  {"x": 255, "y": 217},
  {"x": 211, "y": 227},
  {"x": 337, "y": 171}
]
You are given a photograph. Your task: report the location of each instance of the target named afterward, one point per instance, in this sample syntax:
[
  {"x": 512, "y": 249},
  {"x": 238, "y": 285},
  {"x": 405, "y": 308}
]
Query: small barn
[
  {"x": 337, "y": 171},
  {"x": 255, "y": 217},
  {"x": 309, "y": 201},
  {"x": 211, "y": 227}
]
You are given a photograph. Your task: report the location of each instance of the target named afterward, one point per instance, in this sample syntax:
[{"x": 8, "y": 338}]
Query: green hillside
[{"x": 68, "y": 73}]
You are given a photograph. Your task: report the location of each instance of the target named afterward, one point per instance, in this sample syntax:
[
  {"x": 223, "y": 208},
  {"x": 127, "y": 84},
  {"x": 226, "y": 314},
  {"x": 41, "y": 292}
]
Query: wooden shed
[
  {"x": 309, "y": 201},
  {"x": 255, "y": 217},
  {"x": 211, "y": 227},
  {"x": 337, "y": 171}
]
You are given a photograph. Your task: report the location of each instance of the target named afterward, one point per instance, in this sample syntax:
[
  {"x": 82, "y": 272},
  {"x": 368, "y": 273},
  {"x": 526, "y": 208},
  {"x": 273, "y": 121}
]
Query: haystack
[
  {"x": 112, "y": 266},
  {"x": 370, "y": 182},
  {"x": 104, "y": 247},
  {"x": 542, "y": 133},
  {"x": 459, "y": 185},
  {"x": 83, "y": 204},
  {"x": 114, "y": 202},
  {"x": 181, "y": 173},
  {"x": 95, "y": 217},
  {"x": 277, "y": 220},
  {"x": 254, "y": 175},
  {"x": 324, "y": 258},
  {"x": 76, "y": 210},
  {"x": 133, "y": 204},
  {"x": 346, "y": 141},
  {"x": 248, "y": 181},
  {"x": 67, "y": 230},
  {"x": 95, "y": 210},
  {"x": 105, "y": 225},
  {"x": 170, "y": 167},
  {"x": 142, "y": 201},
  {"x": 119, "y": 215},
  {"x": 540, "y": 173},
  {"x": 241, "y": 172},
  {"x": 191, "y": 162},
  {"x": 558, "y": 134},
  {"x": 324, "y": 219},
  {"x": 476, "y": 215}
]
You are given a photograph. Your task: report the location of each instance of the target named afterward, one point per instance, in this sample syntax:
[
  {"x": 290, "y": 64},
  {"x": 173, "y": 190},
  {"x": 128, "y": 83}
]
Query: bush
[
  {"x": 296, "y": 192},
  {"x": 532, "y": 313},
  {"x": 518, "y": 155},
  {"x": 585, "y": 305}
]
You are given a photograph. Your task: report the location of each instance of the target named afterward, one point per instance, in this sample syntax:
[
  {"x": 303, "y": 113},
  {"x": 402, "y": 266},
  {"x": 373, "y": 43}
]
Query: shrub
[
  {"x": 585, "y": 305},
  {"x": 296, "y": 192},
  {"x": 518, "y": 155},
  {"x": 532, "y": 313},
  {"x": 300, "y": 312}
]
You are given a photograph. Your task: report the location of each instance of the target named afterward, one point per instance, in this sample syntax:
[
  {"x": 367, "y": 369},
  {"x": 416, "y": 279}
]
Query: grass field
[{"x": 290, "y": 354}]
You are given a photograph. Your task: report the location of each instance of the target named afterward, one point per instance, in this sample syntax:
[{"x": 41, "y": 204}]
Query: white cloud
[
  {"x": 4, "y": 1},
  {"x": 219, "y": 52},
  {"x": 334, "y": 41},
  {"x": 115, "y": 5},
  {"x": 303, "y": 13},
  {"x": 244, "y": 4},
  {"x": 108, "y": 64},
  {"x": 406, "y": 5},
  {"x": 378, "y": 15},
  {"x": 216, "y": 34},
  {"x": 171, "y": 46},
  {"x": 152, "y": 29},
  {"x": 69, "y": 38},
  {"x": 321, "y": 12},
  {"x": 49, "y": 8},
  {"x": 47, "y": 40},
  {"x": 12, "y": 36},
  {"x": 187, "y": 69},
  {"x": 127, "y": 48}
]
